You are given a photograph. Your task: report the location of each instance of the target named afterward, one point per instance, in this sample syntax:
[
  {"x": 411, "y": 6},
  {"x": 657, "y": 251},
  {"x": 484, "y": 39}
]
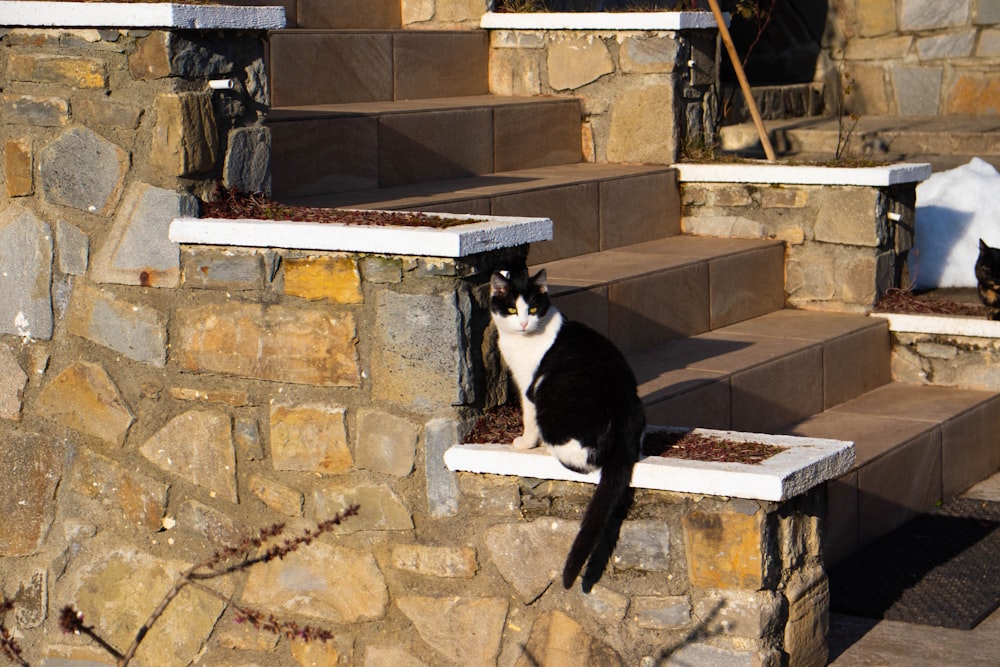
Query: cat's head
[
  {"x": 519, "y": 303},
  {"x": 988, "y": 264}
]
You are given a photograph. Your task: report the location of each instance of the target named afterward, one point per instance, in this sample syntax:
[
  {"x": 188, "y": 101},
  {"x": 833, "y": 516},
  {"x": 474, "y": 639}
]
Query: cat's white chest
[{"x": 523, "y": 353}]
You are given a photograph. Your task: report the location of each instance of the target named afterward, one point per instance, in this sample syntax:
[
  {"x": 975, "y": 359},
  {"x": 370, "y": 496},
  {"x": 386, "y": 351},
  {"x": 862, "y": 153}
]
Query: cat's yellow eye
[
  {"x": 512, "y": 311},
  {"x": 533, "y": 310}
]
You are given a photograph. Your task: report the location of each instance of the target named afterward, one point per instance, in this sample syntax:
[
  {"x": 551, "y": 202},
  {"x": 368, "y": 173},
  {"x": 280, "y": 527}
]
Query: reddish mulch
[
  {"x": 696, "y": 447},
  {"x": 232, "y": 205},
  {"x": 908, "y": 303},
  {"x": 503, "y": 424}
]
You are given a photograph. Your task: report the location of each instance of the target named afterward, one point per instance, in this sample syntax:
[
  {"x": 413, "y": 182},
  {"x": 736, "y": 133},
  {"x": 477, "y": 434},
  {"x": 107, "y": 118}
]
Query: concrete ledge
[
  {"x": 806, "y": 463},
  {"x": 483, "y": 233},
  {"x": 804, "y": 174},
  {"x": 942, "y": 324},
  {"x": 598, "y": 21},
  {"x": 139, "y": 15}
]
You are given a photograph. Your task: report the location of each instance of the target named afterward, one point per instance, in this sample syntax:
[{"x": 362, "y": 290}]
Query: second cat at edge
[
  {"x": 578, "y": 398},
  {"x": 988, "y": 278}
]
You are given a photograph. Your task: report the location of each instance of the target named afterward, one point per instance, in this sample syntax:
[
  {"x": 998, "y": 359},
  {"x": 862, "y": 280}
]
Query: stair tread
[
  {"x": 674, "y": 367},
  {"x": 890, "y": 415},
  {"x": 602, "y": 268},
  {"x": 418, "y": 195},
  {"x": 347, "y": 109}
]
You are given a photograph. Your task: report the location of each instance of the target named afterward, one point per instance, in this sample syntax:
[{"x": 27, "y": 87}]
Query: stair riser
[
  {"x": 677, "y": 299},
  {"x": 317, "y": 67},
  {"x": 770, "y": 395},
  {"x": 352, "y": 152},
  {"x": 348, "y": 14}
]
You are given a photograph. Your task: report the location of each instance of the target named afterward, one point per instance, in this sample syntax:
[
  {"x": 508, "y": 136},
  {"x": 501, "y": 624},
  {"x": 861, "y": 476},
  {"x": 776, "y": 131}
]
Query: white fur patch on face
[{"x": 574, "y": 456}]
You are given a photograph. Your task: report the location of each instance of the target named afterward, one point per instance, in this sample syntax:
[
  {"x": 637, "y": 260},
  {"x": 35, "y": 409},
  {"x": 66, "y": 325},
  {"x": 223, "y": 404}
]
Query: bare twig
[
  {"x": 222, "y": 562},
  {"x": 8, "y": 645}
]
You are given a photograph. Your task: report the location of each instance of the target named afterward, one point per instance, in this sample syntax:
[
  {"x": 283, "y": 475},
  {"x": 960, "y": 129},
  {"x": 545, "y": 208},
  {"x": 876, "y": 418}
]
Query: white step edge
[
  {"x": 881, "y": 176},
  {"x": 947, "y": 325},
  {"x": 139, "y": 15},
  {"x": 483, "y": 233},
  {"x": 805, "y": 464},
  {"x": 599, "y": 21}
]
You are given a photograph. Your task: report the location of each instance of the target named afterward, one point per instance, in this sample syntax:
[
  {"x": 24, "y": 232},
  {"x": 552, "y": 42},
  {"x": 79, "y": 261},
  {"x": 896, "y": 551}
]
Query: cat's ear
[
  {"x": 541, "y": 281},
  {"x": 499, "y": 284},
  {"x": 982, "y": 245}
]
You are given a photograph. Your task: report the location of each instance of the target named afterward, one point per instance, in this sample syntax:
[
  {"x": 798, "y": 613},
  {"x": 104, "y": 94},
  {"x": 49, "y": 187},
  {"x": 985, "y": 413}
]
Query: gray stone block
[
  {"x": 138, "y": 250},
  {"x": 931, "y": 14},
  {"x": 84, "y": 171},
  {"x": 662, "y": 613},
  {"x": 136, "y": 331},
  {"x": 643, "y": 545},
  {"x": 987, "y": 12},
  {"x": 229, "y": 269},
  {"x": 917, "y": 89},
  {"x": 248, "y": 160},
  {"x": 948, "y": 45},
  {"x": 73, "y": 249},
  {"x": 25, "y": 275},
  {"x": 421, "y": 350},
  {"x": 442, "y": 484}
]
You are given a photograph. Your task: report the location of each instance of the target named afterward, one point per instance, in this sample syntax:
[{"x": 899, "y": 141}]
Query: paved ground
[{"x": 863, "y": 642}]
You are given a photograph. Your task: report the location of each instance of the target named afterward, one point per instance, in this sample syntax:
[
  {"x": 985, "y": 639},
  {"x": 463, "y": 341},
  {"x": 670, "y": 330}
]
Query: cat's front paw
[{"x": 525, "y": 442}]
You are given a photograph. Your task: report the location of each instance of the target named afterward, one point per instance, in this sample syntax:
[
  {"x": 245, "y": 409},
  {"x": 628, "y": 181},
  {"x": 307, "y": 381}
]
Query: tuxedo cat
[
  {"x": 578, "y": 397},
  {"x": 988, "y": 278}
]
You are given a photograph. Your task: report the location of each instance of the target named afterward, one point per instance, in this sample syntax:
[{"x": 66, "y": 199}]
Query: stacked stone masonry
[
  {"x": 914, "y": 57},
  {"x": 158, "y": 402},
  {"x": 845, "y": 245},
  {"x": 627, "y": 81}
]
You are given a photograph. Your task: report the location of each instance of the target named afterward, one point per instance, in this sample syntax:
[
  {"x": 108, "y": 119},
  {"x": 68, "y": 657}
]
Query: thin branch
[{"x": 8, "y": 645}]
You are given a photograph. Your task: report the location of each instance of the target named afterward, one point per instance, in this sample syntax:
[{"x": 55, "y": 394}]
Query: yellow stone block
[
  {"x": 974, "y": 95},
  {"x": 724, "y": 550},
  {"x": 60, "y": 70},
  {"x": 84, "y": 398},
  {"x": 17, "y": 165},
  {"x": 335, "y": 279},
  {"x": 315, "y": 653},
  {"x": 309, "y": 438}
]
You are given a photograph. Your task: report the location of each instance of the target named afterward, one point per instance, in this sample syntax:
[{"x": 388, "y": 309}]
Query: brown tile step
[
  {"x": 309, "y": 66},
  {"x": 321, "y": 149},
  {"x": 915, "y": 445},
  {"x": 592, "y": 206},
  {"x": 763, "y": 373},
  {"x": 644, "y": 294},
  {"x": 348, "y": 13}
]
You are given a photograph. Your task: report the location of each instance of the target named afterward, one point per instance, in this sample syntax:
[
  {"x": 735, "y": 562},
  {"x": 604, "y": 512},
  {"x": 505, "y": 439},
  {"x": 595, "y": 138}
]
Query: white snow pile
[{"x": 955, "y": 208}]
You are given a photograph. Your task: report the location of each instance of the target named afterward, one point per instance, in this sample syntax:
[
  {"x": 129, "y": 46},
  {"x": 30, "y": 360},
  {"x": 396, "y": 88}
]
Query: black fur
[
  {"x": 988, "y": 278},
  {"x": 584, "y": 389}
]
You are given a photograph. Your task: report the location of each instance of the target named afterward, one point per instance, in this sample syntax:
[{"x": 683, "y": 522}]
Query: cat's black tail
[
  {"x": 616, "y": 476},
  {"x": 614, "y": 482}
]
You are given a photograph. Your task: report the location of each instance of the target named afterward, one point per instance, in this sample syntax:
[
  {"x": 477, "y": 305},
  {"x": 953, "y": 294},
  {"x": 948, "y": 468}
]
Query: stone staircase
[
  {"x": 943, "y": 141},
  {"x": 394, "y": 119}
]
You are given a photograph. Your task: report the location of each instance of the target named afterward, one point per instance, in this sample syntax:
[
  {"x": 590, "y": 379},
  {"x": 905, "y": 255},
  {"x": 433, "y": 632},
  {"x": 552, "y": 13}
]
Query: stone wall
[
  {"x": 946, "y": 359},
  {"x": 642, "y": 100},
  {"x": 109, "y": 134},
  {"x": 912, "y": 57},
  {"x": 845, "y": 245},
  {"x": 442, "y": 14},
  {"x": 158, "y": 402}
]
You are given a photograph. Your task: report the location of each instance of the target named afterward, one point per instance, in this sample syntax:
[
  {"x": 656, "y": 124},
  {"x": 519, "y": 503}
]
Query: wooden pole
[{"x": 742, "y": 77}]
